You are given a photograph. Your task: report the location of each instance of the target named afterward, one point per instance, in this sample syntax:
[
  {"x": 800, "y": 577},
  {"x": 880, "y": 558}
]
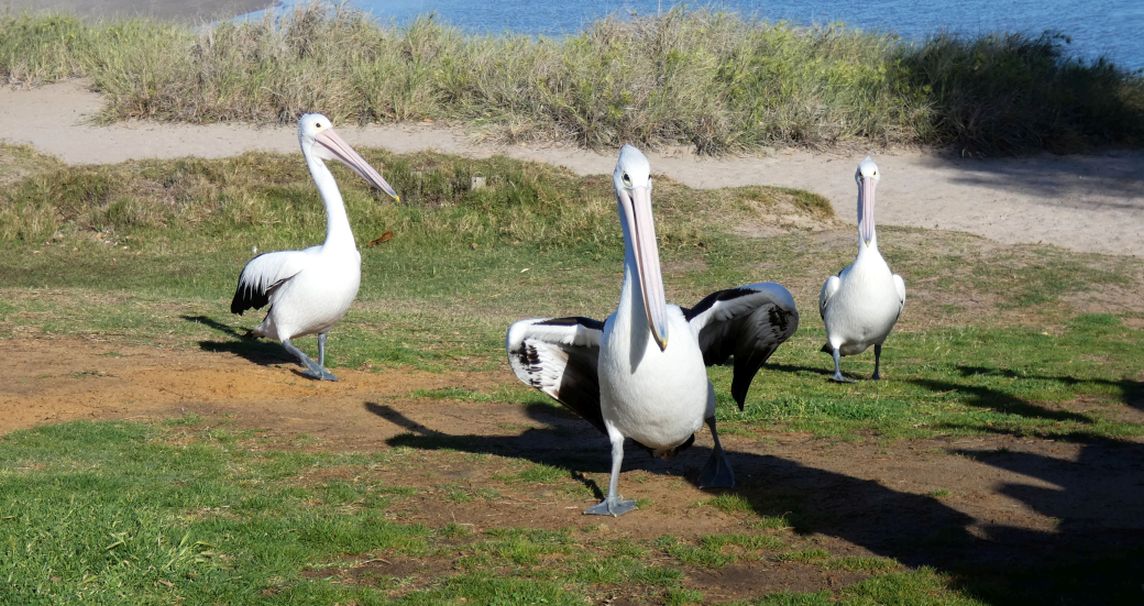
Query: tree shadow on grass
[
  {"x": 1095, "y": 556},
  {"x": 1131, "y": 391},
  {"x": 1097, "y": 498},
  {"x": 980, "y": 396}
]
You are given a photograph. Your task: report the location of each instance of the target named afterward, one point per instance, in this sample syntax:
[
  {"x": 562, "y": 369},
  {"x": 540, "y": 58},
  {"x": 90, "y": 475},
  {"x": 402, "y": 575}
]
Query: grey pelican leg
[
  {"x": 877, "y": 361},
  {"x": 313, "y": 369},
  {"x": 322, "y": 349},
  {"x": 327, "y": 375},
  {"x": 717, "y": 473},
  {"x": 838, "y": 368},
  {"x": 613, "y": 505}
]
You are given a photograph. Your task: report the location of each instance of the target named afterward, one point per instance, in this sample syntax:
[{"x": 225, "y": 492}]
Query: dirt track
[{"x": 970, "y": 507}]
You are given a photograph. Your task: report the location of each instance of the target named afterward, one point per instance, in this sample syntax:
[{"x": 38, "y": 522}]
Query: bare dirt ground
[
  {"x": 1088, "y": 203},
  {"x": 974, "y": 508}
]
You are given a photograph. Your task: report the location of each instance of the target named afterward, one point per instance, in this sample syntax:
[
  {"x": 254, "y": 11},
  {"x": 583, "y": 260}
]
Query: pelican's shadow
[
  {"x": 258, "y": 351},
  {"x": 566, "y": 442},
  {"x": 825, "y": 371},
  {"x": 552, "y": 445},
  {"x": 1095, "y": 556}
]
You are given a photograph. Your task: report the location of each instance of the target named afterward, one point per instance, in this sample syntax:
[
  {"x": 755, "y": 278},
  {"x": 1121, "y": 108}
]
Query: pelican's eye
[{"x": 627, "y": 180}]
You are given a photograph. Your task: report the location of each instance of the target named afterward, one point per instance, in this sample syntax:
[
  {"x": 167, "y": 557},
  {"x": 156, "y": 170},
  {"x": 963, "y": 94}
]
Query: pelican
[
  {"x": 309, "y": 290},
  {"x": 625, "y": 375},
  {"x": 861, "y": 304}
]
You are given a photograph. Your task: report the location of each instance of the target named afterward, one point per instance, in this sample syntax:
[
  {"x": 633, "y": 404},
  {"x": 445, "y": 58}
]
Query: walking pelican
[
  {"x": 309, "y": 290},
  {"x": 641, "y": 373},
  {"x": 861, "y": 304}
]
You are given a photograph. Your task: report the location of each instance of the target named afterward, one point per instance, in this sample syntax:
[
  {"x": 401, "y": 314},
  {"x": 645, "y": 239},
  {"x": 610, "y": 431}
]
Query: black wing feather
[
  {"x": 251, "y": 291},
  {"x": 746, "y": 323},
  {"x": 247, "y": 295}
]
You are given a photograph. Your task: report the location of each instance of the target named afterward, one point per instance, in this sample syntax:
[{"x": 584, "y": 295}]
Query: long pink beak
[
  {"x": 637, "y": 214},
  {"x": 346, "y": 155},
  {"x": 866, "y": 187}
]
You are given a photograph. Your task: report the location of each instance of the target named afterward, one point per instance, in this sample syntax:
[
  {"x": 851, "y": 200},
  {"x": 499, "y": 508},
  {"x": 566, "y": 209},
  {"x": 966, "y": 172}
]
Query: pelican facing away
[
  {"x": 641, "y": 373},
  {"x": 309, "y": 290},
  {"x": 861, "y": 304}
]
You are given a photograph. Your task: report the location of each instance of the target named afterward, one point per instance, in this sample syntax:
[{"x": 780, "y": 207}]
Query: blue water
[{"x": 1112, "y": 28}]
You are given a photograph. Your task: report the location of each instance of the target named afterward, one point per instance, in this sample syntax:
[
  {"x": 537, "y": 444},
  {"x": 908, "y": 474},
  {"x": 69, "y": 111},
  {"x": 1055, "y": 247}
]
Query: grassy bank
[{"x": 710, "y": 80}]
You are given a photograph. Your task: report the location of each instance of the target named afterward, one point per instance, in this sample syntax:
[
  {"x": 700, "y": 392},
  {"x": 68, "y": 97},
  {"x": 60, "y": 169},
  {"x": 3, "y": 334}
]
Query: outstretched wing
[
  {"x": 263, "y": 275},
  {"x": 558, "y": 356},
  {"x": 749, "y": 323}
]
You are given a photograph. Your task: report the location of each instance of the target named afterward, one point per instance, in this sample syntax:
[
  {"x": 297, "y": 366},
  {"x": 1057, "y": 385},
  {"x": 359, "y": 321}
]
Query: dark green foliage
[{"x": 1005, "y": 94}]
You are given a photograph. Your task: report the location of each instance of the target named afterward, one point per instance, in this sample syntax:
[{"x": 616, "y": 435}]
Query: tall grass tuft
[
  {"x": 35, "y": 50},
  {"x": 711, "y": 80}
]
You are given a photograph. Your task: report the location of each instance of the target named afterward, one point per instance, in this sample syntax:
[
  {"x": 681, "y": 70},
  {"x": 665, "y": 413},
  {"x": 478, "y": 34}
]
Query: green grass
[
  {"x": 1017, "y": 380},
  {"x": 994, "y": 340},
  {"x": 711, "y": 80},
  {"x": 118, "y": 512},
  {"x": 109, "y": 512}
]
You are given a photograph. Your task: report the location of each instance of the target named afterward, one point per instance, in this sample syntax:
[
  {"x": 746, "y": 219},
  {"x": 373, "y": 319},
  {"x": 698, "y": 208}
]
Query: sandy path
[
  {"x": 187, "y": 11},
  {"x": 1091, "y": 203}
]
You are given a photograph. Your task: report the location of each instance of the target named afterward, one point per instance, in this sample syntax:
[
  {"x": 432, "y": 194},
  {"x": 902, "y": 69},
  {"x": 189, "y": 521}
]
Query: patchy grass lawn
[{"x": 1005, "y": 356}]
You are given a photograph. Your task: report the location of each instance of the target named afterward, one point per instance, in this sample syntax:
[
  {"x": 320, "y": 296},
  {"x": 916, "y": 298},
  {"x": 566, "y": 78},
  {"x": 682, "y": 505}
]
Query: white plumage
[
  {"x": 309, "y": 290},
  {"x": 861, "y": 304}
]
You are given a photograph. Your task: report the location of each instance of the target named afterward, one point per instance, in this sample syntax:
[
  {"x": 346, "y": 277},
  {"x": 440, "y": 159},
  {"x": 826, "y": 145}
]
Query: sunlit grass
[{"x": 161, "y": 517}]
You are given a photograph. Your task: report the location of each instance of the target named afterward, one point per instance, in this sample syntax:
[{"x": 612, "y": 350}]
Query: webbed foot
[
  {"x": 319, "y": 374},
  {"x": 611, "y": 507}
]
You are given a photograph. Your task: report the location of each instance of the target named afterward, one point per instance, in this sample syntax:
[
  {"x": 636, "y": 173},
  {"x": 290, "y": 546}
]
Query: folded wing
[
  {"x": 900, "y": 288},
  {"x": 829, "y": 287},
  {"x": 263, "y": 275},
  {"x": 748, "y": 322},
  {"x": 558, "y": 356}
]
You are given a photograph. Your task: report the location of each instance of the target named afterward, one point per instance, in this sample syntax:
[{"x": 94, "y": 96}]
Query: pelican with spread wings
[{"x": 641, "y": 374}]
